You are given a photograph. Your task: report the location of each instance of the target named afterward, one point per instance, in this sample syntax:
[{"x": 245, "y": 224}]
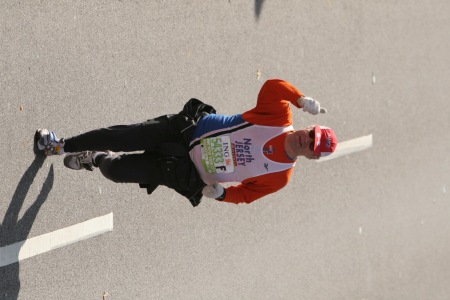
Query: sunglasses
[{"x": 311, "y": 135}]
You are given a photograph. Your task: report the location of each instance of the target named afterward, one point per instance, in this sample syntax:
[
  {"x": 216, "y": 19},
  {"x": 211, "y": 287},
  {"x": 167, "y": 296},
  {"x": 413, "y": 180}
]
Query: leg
[
  {"x": 125, "y": 138},
  {"x": 115, "y": 138},
  {"x": 130, "y": 168}
]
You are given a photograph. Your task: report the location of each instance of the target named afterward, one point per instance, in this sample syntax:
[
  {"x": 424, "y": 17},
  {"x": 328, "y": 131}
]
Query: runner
[{"x": 196, "y": 150}]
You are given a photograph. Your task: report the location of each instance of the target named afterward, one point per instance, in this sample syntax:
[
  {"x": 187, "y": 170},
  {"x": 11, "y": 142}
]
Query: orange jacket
[{"x": 272, "y": 109}]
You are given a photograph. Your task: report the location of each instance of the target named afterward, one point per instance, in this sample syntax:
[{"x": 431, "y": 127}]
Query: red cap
[{"x": 325, "y": 141}]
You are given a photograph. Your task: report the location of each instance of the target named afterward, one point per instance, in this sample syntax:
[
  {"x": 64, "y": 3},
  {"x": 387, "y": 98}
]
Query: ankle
[{"x": 97, "y": 157}]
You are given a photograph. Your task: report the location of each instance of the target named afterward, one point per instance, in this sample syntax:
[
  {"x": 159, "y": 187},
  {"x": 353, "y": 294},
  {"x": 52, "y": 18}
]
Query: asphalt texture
[{"x": 372, "y": 225}]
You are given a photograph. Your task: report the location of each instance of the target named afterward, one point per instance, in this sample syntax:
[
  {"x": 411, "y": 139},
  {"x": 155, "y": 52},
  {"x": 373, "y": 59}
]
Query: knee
[{"x": 111, "y": 170}]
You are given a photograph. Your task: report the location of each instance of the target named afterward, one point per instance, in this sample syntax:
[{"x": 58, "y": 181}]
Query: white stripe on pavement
[
  {"x": 88, "y": 229},
  {"x": 56, "y": 239},
  {"x": 350, "y": 146}
]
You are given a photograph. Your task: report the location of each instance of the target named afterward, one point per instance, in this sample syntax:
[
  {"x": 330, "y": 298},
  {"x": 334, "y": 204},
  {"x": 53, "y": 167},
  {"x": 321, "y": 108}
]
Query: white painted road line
[
  {"x": 56, "y": 239},
  {"x": 85, "y": 230},
  {"x": 350, "y": 146}
]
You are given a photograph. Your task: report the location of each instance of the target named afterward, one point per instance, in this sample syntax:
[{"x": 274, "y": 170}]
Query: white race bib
[{"x": 217, "y": 156}]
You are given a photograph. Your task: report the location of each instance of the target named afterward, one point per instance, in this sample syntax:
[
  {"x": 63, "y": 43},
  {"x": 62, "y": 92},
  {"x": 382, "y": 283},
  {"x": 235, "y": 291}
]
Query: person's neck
[
  {"x": 288, "y": 148},
  {"x": 290, "y": 158}
]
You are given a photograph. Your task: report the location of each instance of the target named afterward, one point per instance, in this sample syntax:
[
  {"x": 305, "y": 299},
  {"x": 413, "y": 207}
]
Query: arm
[
  {"x": 255, "y": 188},
  {"x": 251, "y": 189},
  {"x": 273, "y": 104}
]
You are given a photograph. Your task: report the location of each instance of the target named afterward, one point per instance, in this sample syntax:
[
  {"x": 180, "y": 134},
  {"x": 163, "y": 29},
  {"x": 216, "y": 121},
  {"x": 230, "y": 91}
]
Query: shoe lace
[{"x": 86, "y": 161}]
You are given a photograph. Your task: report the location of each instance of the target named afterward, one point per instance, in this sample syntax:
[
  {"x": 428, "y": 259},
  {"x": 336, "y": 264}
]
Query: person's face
[{"x": 301, "y": 143}]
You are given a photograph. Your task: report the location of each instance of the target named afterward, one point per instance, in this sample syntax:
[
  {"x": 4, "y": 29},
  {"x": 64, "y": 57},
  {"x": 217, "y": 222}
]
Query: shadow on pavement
[
  {"x": 258, "y": 8},
  {"x": 13, "y": 230}
]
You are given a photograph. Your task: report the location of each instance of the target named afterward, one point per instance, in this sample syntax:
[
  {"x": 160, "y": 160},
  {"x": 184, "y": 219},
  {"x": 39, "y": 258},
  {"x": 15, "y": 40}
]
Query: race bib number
[{"x": 217, "y": 156}]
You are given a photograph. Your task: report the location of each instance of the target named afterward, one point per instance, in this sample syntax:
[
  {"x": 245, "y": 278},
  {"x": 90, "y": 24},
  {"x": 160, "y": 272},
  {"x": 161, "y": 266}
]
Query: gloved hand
[
  {"x": 310, "y": 105},
  {"x": 213, "y": 191}
]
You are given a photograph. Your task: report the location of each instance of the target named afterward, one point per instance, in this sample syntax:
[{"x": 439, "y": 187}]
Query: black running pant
[{"x": 142, "y": 168}]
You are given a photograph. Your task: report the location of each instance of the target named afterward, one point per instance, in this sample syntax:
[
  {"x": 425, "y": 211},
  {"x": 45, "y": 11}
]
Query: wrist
[
  {"x": 301, "y": 101},
  {"x": 222, "y": 197}
]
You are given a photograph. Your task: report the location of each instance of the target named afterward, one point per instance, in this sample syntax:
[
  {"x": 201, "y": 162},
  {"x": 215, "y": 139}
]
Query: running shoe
[
  {"x": 48, "y": 142},
  {"x": 81, "y": 160}
]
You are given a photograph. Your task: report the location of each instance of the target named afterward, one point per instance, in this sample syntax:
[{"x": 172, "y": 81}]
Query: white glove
[
  {"x": 310, "y": 105},
  {"x": 213, "y": 191}
]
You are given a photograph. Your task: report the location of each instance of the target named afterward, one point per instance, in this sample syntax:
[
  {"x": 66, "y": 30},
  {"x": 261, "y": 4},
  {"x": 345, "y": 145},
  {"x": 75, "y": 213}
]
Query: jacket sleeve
[
  {"x": 273, "y": 104},
  {"x": 254, "y": 188}
]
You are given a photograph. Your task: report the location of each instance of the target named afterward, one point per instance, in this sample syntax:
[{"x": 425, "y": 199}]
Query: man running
[{"x": 196, "y": 150}]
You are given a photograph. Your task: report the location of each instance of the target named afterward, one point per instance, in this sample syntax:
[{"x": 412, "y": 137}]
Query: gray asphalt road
[{"x": 371, "y": 225}]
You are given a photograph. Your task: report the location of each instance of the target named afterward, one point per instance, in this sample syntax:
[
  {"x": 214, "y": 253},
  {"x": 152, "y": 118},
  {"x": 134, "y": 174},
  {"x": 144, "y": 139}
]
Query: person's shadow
[
  {"x": 13, "y": 230},
  {"x": 258, "y": 8}
]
